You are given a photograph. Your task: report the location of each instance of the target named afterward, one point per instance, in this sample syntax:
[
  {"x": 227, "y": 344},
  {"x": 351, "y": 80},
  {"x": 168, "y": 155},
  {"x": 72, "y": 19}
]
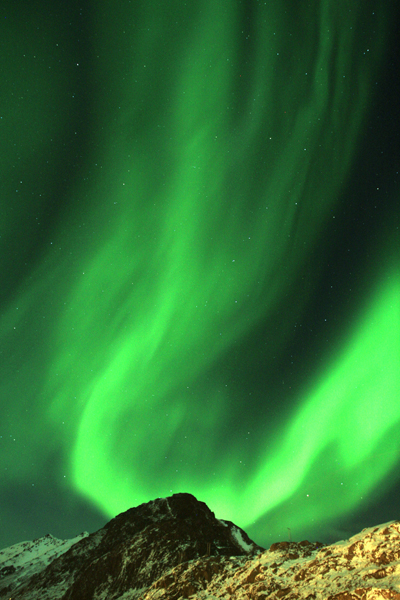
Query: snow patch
[{"x": 238, "y": 537}]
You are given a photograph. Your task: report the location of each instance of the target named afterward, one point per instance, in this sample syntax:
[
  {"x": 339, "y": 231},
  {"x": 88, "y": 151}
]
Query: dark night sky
[{"x": 200, "y": 263}]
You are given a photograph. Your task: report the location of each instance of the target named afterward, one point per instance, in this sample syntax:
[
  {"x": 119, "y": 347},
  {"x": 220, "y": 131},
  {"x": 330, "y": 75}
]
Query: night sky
[{"x": 200, "y": 285}]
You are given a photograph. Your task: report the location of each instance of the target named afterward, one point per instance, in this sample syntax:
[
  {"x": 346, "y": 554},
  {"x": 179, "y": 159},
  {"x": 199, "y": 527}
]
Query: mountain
[
  {"x": 132, "y": 551},
  {"x": 174, "y": 548},
  {"x": 20, "y": 562}
]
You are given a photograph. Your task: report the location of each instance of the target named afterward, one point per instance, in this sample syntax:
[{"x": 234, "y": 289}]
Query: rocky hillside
[
  {"x": 131, "y": 552},
  {"x": 366, "y": 567},
  {"x": 174, "y": 548}
]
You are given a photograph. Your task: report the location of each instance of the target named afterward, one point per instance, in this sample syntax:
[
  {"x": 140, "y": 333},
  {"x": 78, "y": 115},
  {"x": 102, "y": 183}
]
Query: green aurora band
[{"x": 222, "y": 145}]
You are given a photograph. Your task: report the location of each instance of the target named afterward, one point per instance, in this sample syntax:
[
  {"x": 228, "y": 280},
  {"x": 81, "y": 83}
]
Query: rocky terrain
[
  {"x": 366, "y": 567},
  {"x": 20, "y": 562},
  {"x": 174, "y": 548}
]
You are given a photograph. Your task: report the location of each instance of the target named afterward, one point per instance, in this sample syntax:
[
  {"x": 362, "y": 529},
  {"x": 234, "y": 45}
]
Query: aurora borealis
[{"x": 200, "y": 264}]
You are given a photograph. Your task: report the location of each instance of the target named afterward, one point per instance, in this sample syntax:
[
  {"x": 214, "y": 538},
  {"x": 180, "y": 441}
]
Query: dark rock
[
  {"x": 7, "y": 571},
  {"x": 135, "y": 548},
  {"x": 174, "y": 548}
]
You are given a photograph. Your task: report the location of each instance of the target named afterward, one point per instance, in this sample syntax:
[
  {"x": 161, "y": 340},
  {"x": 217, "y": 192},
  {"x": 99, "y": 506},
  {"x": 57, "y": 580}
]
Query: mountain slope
[
  {"x": 134, "y": 549},
  {"x": 365, "y": 567},
  {"x": 20, "y": 562},
  {"x": 174, "y": 548}
]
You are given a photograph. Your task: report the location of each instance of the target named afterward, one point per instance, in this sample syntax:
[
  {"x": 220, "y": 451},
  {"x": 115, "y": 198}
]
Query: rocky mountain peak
[
  {"x": 134, "y": 549},
  {"x": 178, "y": 506},
  {"x": 174, "y": 548}
]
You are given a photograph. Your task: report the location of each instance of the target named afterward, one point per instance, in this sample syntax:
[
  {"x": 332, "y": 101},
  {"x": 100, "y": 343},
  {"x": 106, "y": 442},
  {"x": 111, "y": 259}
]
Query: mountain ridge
[{"x": 174, "y": 548}]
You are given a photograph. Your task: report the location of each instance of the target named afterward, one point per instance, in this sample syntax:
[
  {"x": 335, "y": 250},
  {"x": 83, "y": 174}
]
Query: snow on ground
[
  {"x": 367, "y": 564},
  {"x": 46, "y": 548},
  {"x": 238, "y": 537},
  {"x": 19, "y": 562},
  {"x": 223, "y": 522}
]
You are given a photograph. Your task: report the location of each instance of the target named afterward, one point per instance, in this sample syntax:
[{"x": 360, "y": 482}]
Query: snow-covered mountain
[
  {"x": 174, "y": 548},
  {"x": 20, "y": 562},
  {"x": 365, "y": 567}
]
